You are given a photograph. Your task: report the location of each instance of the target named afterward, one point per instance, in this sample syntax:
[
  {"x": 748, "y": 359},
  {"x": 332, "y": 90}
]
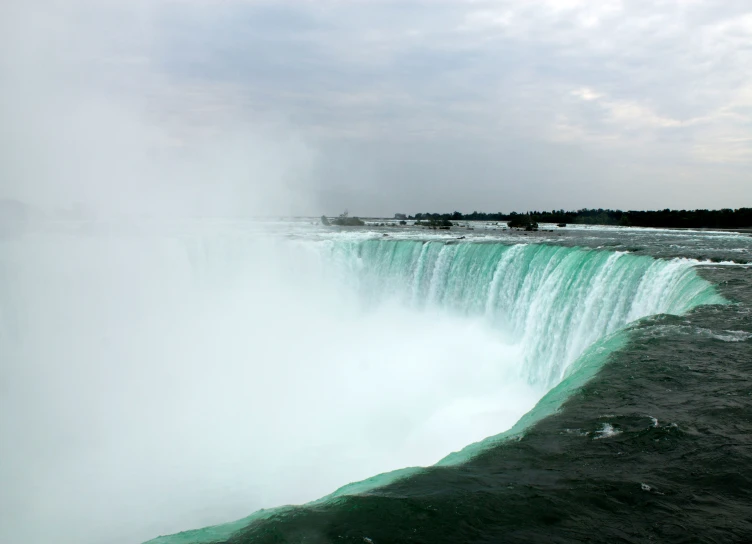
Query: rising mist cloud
[{"x": 90, "y": 122}]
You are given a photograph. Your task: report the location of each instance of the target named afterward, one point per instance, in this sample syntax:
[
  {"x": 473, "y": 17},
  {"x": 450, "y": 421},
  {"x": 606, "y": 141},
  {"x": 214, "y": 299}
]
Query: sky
[{"x": 252, "y": 107}]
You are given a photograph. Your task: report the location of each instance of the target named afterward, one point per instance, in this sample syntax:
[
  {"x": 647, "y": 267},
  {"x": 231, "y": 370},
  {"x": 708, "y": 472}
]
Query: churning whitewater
[{"x": 271, "y": 371}]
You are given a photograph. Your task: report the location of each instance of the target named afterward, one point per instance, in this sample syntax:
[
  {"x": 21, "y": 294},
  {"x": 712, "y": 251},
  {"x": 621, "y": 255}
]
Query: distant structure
[{"x": 344, "y": 220}]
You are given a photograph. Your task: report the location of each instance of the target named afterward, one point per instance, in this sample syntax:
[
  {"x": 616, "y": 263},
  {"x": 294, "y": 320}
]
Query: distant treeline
[{"x": 721, "y": 219}]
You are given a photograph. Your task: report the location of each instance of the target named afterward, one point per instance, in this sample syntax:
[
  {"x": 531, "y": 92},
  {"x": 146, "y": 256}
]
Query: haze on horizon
[{"x": 247, "y": 107}]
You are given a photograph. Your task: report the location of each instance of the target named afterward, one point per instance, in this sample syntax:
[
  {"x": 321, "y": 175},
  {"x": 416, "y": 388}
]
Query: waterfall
[{"x": 553, "y": 301}]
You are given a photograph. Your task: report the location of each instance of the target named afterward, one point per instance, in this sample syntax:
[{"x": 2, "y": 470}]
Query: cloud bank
[{"x": 257, "y": 107}]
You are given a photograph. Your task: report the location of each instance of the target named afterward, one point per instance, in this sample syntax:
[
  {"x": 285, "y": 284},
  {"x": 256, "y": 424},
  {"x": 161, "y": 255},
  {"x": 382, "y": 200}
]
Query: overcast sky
[{"x": 243, "y": 107}]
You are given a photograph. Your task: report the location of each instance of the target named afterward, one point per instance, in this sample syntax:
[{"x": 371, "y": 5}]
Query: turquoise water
[
  {"x": 566, "y": 308},
  {"x": 554, "y": 301}
]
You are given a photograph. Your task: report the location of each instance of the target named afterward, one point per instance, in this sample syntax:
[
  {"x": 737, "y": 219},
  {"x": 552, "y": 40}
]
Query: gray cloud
[{"x": 495, "y": 105}]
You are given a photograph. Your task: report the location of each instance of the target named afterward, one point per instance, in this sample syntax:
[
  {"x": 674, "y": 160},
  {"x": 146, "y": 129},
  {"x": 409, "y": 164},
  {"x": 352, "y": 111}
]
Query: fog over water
[
  {"x": 159, "y": 377},
  {"x": 155, "y": 383}
]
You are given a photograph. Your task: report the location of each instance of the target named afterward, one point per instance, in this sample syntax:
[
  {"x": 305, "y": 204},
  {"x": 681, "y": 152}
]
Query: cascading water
[
  {"x": 552, "y": 301},
  {"x": 196, "y": 376}
]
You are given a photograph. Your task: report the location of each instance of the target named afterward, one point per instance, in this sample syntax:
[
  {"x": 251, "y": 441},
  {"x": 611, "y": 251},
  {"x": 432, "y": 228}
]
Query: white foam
[
  {"x": 606, "y": 431},
  {"x": 732, "y": 336}
]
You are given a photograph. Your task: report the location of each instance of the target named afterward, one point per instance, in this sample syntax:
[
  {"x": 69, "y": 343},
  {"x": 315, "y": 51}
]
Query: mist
[
  {"x": 160, "y": 375},
  {"x": 91, "y": 123},
  {"x": 165, "y": 364},
  {"x": 154, "y": 383}
]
